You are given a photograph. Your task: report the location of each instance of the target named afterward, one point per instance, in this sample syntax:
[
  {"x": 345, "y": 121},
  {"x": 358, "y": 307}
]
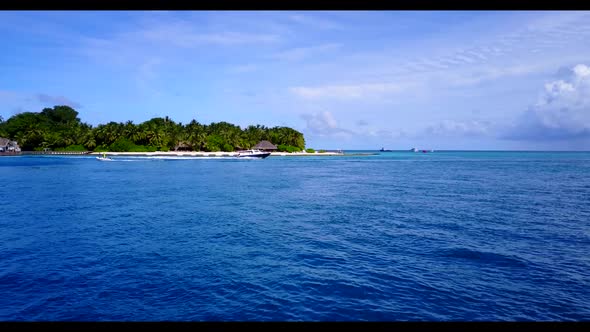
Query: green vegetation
[
  {"x": 60, "y": 129},
  {"x": 125, "y": 145},
  {"x": 309, "y": 150},
  {"x": 288, "y": 148},
  {"x": 76, "y": 147}
]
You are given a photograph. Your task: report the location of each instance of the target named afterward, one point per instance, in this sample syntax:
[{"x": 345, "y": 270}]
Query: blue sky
[{"x": 346, "y": 79}]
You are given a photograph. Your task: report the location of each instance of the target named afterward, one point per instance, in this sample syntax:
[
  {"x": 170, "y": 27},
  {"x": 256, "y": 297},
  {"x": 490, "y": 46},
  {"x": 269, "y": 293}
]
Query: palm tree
[
  {"x": 155, "y": 136},
  {"x": 89, "y": 142},
  {"x": 133, "y": 132},
  {"x": 196, "y": 135}
]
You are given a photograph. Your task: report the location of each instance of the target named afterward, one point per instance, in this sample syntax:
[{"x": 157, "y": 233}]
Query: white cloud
[
  {"x": 562, "y": 111},
  {"x": 353, "y": 91},
  {"x": 321, "y": 121},
  {"x": 581, "y": 72},
  {"x": 324, "y": 124}
]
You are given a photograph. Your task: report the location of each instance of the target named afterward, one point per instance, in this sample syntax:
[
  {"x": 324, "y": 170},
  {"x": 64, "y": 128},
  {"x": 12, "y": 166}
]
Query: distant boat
[
  {"x": 253, "y": 154},
  {"x": 383, "y": 150},
  {"x": 414, "y": 150},
  {"x": 104, "y": 158}
]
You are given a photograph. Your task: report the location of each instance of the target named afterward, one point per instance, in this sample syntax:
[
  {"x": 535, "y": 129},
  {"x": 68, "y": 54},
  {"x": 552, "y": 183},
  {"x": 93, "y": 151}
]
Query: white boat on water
[
  {"x": 252, "y": 154},
  {"x": 104, "y": 158}
]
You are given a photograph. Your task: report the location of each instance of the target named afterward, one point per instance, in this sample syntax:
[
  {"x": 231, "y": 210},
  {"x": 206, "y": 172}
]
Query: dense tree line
[{"x": 59, "y": 128}]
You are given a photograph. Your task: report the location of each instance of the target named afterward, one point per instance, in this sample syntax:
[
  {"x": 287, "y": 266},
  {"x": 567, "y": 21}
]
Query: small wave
[
  {"x": 159, "y": 158},
  {"x": 484, "y": 257}
]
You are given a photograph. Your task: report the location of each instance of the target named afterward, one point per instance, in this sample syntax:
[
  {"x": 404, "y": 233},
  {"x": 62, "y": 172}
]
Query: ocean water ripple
[{"x": 444, "y": 236}]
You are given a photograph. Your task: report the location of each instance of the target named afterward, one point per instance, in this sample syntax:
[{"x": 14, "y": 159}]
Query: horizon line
[{"x": 462, "y": 150}]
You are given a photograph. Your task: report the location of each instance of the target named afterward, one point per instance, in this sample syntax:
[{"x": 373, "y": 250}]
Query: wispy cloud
[
  {"x": 154, "y": 44},
  {"x": 247, "y": 68},
  {"x": 147, "y": 73},
  {"x": 381, "y": 134},
  {"x": 315, "y": 22},
  {"x": 300, "y": 53},
  {"x": 384, "y": 73},
  {"x": 486, "y": 59},
  {"x": 453, "y": 128},
  {"x": 8, "y": 95},
  {"x": 57, "y": 100},
  {"x": 351, "y": 91},
  {"x": 184, "y": 34},
  {"x": 483, "y": 74},
  {"x": 164, "y": 37}
]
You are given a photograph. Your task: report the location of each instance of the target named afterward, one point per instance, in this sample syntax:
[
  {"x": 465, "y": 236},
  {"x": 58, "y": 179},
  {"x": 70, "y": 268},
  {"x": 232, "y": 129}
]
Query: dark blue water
[{"x": 502, "y": 236}]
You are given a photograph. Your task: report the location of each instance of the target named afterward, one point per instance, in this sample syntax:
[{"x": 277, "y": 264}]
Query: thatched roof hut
[
  {"x": 265, "y": 146},
  {"x": 182, "y": 146}
]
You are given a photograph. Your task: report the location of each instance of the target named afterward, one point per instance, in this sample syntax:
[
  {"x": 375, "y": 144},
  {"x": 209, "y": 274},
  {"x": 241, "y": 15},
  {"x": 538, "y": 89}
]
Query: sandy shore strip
[{"x": 212, "y": 154}]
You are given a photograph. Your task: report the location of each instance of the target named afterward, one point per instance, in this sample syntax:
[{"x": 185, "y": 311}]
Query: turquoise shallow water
[{"x": 475, "y": 236}]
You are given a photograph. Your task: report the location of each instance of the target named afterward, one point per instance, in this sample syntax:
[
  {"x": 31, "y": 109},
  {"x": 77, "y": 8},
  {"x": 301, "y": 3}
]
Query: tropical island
[{"x": 60, "y": 129}]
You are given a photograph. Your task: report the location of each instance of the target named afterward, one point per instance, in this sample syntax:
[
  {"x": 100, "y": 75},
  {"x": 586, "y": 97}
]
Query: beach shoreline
[
  {"x": 218, "y": 154},
  {"x": 212, "y": 154}
]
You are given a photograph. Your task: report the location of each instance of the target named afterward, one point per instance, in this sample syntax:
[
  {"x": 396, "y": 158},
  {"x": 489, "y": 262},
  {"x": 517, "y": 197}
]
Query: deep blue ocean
[{"x": 400, "y": 236}]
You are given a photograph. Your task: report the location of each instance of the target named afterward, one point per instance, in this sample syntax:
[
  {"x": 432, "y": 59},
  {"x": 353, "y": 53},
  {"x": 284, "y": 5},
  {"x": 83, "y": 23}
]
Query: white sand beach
[{"x": 213, "y": 154}]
